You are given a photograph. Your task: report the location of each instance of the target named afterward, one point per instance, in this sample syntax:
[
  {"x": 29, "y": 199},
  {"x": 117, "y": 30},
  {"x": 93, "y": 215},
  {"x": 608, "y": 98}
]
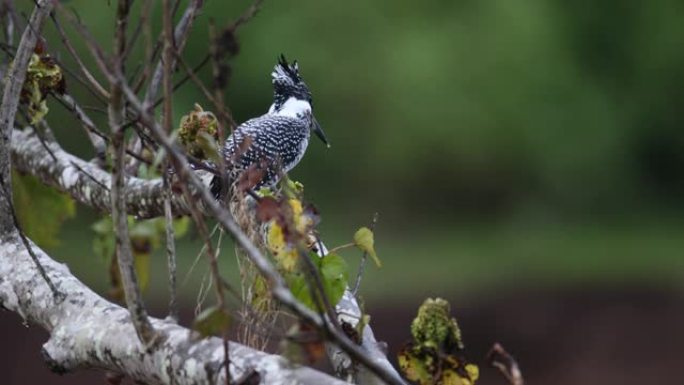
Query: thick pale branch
[
  {"x": 86, "y": 331},
  {"x": 85, "y": 182}
]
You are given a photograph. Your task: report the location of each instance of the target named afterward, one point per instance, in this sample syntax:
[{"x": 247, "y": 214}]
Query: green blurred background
[
  {"x": 531, "y": 142},
  {"x": 526, "y": 146}
]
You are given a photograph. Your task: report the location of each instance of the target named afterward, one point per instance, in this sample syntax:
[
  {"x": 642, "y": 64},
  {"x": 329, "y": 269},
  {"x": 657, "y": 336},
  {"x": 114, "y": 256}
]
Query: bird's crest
[
  {"x": 287, "y": 82},
  {"x": 286, "y": 74}
]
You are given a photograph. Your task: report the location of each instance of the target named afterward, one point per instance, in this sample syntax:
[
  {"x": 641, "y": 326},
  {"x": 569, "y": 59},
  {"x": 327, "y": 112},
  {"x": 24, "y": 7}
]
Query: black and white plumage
[{"x": 276, "y": 141}]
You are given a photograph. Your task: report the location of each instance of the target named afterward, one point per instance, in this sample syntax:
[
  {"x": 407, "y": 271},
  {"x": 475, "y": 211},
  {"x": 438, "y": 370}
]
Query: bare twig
[
  {"x": 168, "y": 60},
  {"x": 247, "y": 15},
  {"x": 72, "y": 51},
  {"x": 143, "y": 327},
  {"x": 96, "y": 138},
  {"x": 146, "y": 27},
  {"x": 168, "y": 113},
  {"x": 8, "y": 13},
  {"x": 220, "y": 75},
  {"x": 499, "y": 358},
  {"x": 180, "y": 36},
  {"x": 223, "y": 114},
  {"x": 170, "y": 250}
]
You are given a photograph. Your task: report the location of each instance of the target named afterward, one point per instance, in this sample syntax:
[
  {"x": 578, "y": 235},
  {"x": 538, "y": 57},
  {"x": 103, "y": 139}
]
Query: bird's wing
[{"x": 269, "y": 139}]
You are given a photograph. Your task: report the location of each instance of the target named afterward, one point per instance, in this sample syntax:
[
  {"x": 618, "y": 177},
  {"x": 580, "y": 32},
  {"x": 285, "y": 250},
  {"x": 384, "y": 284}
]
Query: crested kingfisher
[{"x": 276, "y": 141}]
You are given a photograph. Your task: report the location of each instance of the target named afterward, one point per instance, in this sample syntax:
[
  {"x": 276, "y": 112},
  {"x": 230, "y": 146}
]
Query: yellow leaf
[
  {"x": 302, "y": 222},
  {"x": 284, "y": 254},
  {"x": 473, "y": 372},
  {"x": 363, "y": 239}
]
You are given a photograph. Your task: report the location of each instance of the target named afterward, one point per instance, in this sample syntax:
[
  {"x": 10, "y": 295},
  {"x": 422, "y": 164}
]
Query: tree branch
[
  {"x": 84, "y": 181},
  {"x": 124, "y": 251},
  {"x": 87, "y": 331}
]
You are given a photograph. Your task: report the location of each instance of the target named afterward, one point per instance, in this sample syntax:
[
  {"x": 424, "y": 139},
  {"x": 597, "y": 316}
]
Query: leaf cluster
[
  {"x": 435, "y": 356},
  {"x": 42, "y": 77}
]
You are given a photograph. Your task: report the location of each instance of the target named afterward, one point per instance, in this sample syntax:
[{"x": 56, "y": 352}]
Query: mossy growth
[
  {"x": 43, "y": 76},
  {"x": 435, "y": 356},
  {"x": 198, "y": 133}
]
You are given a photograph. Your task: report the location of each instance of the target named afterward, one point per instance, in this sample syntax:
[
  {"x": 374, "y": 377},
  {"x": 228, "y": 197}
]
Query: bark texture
[{"x": 85, "y": 182}]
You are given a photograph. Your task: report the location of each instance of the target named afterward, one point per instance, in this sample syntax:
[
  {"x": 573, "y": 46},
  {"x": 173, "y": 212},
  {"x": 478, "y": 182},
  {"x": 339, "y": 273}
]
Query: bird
[{"x": 276, "y": 141}]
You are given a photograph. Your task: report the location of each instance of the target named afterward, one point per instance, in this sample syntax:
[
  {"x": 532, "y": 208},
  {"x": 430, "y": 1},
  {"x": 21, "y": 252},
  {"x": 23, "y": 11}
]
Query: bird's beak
[{"x": 319, "y": 132}]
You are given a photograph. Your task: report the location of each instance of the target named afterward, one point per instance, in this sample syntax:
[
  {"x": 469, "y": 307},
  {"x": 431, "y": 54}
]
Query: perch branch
[{"x": 87, "y": 331}]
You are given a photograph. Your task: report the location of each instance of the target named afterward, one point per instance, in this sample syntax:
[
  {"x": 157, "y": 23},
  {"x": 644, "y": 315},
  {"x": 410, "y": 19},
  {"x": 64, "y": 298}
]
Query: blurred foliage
[
  {"x": 146, "y": 237},
  {"x": 496, "y": 108},
  {"x": 41, "y": 210},
  {"x": 494, "y": 133}
]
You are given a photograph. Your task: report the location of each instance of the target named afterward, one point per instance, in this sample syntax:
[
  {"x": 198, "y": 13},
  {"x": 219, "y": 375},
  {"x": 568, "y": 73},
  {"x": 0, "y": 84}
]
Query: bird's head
[{"x": 291, "y": 96}]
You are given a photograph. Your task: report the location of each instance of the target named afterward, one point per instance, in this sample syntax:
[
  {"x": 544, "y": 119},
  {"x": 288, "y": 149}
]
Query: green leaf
[
  {"x": 364, "y": 240},
  {"x": 212, "y": 321},
  {"x": 334, "y": 271},
  {"x": 41, "y": 210},
  {"x": 300, "y": 290}
]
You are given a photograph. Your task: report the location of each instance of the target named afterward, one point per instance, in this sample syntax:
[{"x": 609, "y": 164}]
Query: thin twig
[
  {"x": 143, "y": 327},
  {"x": 180, "y": 36},
  {"x": 72, "y": 51},
  {"x": 247, "y": 15},
  {"x": 218, "y": 73},
  {"x": 170, "y": 251},
  {"x": 95, "y": 137},
  {"x": 201, "y": 226},
  {"x": 500, "y": 359},
  {"x": 168, "y": 113},
  {"x": 185, "y": 78},
  {"x": 207, "y": 94}
]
